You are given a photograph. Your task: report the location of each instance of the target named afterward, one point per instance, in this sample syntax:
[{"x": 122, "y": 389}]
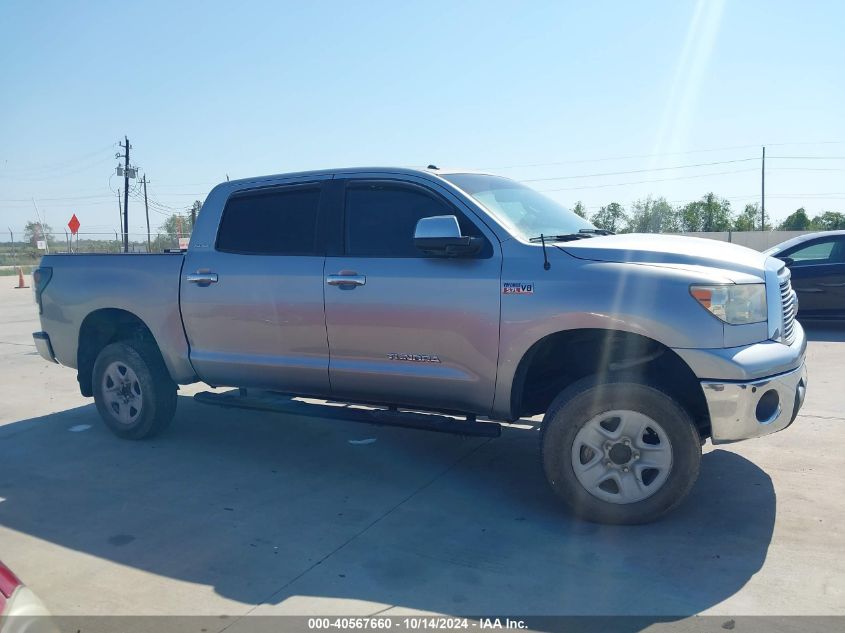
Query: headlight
[{"x": 734, "y": 304}]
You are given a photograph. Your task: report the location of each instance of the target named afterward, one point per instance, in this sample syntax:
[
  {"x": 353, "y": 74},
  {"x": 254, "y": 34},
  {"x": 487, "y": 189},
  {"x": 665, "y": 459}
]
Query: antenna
[{"x": 546, "y": 264}]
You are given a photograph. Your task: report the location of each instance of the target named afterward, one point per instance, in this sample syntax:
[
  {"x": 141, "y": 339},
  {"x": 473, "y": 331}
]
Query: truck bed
[{"x": 146, "y": 285}]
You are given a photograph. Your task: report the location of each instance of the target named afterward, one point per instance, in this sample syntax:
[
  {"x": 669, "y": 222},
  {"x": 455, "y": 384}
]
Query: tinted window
[
  {"x": 816, "y": 253},
  {"x": 274, "y": 222},
  {"x": 381, "y": 218}
]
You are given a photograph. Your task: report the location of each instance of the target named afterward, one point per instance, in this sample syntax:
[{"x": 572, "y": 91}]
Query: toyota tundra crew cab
[{"x": 463, "y": 294}]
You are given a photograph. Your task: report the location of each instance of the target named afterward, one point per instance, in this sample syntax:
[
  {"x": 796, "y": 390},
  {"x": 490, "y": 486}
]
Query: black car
[{"x": 817, "y": 262}]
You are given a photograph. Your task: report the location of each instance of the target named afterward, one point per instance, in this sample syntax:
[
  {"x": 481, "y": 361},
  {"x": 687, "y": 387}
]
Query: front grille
[{"x": 787, "y": 301}]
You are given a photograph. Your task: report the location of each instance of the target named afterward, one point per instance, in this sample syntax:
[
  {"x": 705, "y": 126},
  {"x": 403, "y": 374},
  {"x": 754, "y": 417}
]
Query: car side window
[
  {"x": 380, "y": 219},
  {"x": 275, "y": 221},
  {"x": 820, "y": 252}
]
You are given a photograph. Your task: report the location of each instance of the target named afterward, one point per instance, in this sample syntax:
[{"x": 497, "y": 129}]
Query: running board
[{"x": 280, "y": 403}]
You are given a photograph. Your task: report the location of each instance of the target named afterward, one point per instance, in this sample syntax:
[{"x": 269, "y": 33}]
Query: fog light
[{"x": 768, "y": 406}]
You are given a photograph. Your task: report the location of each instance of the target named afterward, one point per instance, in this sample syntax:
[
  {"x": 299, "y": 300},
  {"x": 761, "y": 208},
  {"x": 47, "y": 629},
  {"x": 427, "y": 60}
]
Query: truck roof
[{"x": 407, "y": 171}]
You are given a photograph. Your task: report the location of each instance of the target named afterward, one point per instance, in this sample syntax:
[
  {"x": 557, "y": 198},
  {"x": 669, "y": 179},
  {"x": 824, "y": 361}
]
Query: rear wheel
[
  {"x": 133, "y": 391},
  {"x": 619, "y": 452}
]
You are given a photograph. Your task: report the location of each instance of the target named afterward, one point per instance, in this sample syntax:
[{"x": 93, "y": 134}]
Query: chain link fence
[{"x": 19, "y": 251}]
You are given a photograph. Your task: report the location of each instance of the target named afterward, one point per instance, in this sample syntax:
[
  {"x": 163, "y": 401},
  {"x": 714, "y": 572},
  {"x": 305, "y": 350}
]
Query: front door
[
  {"x": 253, "y": 305},
  {"x": 818, "y": 277},
  {"x": 405, "y": 328}
]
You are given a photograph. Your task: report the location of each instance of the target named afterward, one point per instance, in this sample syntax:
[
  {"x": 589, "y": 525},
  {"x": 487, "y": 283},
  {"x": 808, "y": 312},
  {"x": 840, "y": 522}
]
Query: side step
[{"x": 280, "y": 403}]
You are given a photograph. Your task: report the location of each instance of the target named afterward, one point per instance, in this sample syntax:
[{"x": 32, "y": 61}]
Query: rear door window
[{"x": 276, "y": 221}]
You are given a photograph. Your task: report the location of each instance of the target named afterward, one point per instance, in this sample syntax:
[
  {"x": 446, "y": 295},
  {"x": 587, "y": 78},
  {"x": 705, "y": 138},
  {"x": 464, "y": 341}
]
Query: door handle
[
  {"x": 201, "y": 278},
  {"x": 346, "y": 280}
]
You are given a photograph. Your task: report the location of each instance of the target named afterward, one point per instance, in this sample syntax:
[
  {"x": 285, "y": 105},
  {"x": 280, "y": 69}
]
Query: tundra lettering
[{"x": 418, "y": 358}]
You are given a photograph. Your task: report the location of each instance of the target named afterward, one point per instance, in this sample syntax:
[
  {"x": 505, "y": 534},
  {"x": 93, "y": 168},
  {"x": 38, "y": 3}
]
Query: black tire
[
  {"x": 586, "y": 399},
  {"x": 154, "y": 391}
]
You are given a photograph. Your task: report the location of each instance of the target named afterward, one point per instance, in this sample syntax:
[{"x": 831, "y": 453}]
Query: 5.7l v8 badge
[{"x": 517, "y": 287}]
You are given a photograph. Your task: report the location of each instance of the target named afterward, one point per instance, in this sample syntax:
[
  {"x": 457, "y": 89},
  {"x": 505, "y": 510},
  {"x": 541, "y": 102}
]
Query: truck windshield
[{"x": 524, "y": 212}]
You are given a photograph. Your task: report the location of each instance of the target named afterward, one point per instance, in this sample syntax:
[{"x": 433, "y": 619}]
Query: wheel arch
[
  {"x": 559, "y": 359},
  {"x": 103, "y": 327}
]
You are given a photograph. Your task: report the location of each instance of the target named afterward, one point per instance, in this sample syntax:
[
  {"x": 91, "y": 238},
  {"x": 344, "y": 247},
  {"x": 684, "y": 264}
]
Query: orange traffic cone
[{"x": 21, "y": 283}]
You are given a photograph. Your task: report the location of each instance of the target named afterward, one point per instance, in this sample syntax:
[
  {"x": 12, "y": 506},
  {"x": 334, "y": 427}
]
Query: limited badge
[{"x": 517, "y": 288}]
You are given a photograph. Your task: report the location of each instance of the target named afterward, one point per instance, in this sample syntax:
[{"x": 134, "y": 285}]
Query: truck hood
[{"x": 736, "y": 263}]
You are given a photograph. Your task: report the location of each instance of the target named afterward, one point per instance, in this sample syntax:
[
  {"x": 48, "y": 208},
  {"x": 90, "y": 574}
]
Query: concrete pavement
[{"x": 234, "y": 512}]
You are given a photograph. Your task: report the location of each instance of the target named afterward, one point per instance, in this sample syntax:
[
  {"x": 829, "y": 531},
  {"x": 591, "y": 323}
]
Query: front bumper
[
  {"x": 744, "y": 410},
  {"x": 43, "y": 345}
]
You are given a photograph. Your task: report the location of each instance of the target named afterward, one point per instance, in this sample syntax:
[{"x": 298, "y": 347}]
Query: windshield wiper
[{"x": 569, "y": 237}]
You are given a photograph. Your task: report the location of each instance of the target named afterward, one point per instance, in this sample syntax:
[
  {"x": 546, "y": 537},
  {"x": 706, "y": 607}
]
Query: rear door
[
  {"x": 410, "y": 329},
  {"x": 818, "y": 277},
  {"x": 253, "y": 305}
]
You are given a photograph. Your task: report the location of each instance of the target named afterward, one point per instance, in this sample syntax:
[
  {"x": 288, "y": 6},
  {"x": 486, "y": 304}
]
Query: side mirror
[{"x": 440, "y": 236}]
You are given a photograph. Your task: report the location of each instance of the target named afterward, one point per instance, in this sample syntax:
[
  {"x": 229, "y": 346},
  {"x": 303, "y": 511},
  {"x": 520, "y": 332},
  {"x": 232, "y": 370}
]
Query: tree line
[{"x": 710, "y": 213}]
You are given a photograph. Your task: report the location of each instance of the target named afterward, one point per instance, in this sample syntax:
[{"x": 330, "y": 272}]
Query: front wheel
[
  {"x": 133, "y": 392},
  {"x": 619, "y": 452}
]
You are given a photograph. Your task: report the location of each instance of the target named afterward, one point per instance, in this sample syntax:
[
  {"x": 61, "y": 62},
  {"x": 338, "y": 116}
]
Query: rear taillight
[{"x": 40, "y": 278}]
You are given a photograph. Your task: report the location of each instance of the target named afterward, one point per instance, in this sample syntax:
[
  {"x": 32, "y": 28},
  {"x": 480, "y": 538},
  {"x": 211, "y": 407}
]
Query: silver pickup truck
[{"x": 465, "y": 294}]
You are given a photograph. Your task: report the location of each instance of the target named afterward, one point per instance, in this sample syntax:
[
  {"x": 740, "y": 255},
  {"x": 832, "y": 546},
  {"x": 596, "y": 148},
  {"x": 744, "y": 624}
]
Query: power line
[
  {"x": 808, "y": 168},
  {"x": 658, "y": 155},
  {"x": 53, "y": 175},
  {"x": 807, "y": 143},
  {"x": 640, "y": 171},
  {"x": 57, "y": 165},
  {"x": 640, "y": 182},
  {"x": 59, "y": 199},
  {"x": 160, "y": 207},
  {"x": 627, "y": 157}
]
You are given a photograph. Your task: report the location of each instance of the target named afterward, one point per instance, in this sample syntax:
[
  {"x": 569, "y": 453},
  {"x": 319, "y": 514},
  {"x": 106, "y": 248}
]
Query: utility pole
[
  {"x": 125, "y": 194},
  {"x": 119, "y": 211},
  {"x": 763, "y": 193},
  {"x": 127, "y": 172},
  {"x": 147, "y": 211}
]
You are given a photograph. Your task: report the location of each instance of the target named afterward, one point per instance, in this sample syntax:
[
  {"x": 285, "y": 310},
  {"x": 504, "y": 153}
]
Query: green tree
[
  {"x": 690, "y": 216},
  {"x": 749, "y": 219},
  {"x": 610, "y": 218},
  {"x": 653, "y": 215},
  {"x": 828, "y": 221},
  {"x": 178, "y": 224},
  {"x": 579, "y": 209},
  {"x": 715, "y": 213},
  {"x": 797, "y": 221},
  {"x": 34, "y": 231}
]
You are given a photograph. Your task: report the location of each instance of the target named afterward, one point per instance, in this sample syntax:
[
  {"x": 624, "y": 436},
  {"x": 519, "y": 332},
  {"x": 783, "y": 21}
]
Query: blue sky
[{"x": 532, "y": 90}]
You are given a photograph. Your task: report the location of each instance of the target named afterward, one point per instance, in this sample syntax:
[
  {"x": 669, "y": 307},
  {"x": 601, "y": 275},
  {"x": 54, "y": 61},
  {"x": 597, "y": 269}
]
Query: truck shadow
[{"x": 267, "y": 510}]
